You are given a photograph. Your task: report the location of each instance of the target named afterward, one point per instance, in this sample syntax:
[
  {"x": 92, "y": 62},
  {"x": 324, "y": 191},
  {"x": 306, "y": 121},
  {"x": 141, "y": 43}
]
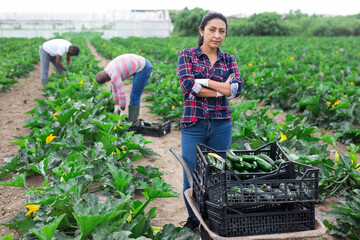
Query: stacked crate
[{"x": 244, "y": 204}]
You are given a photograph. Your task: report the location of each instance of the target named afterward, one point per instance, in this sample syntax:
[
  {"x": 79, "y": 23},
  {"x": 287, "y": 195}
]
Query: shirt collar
[{"x": 199, "y": 52}]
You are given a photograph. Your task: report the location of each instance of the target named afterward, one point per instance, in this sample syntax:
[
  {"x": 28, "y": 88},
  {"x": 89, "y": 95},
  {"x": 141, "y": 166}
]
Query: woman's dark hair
[{"x": 206, "y": 19}]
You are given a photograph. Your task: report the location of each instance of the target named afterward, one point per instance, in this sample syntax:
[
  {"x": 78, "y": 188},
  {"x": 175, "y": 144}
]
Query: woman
[{"x": 204, "y": 76}]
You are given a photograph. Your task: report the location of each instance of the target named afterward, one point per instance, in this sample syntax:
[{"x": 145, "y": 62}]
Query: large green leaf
[
  {"x": 17, "y": 181},
  {"x": 63, "y": 118},
  {"x": 123, "y": 235},
  {"x": 90, "y": 214},
  {"x": 9, "y": 166},
  {"x": 160, "y": 189},
  {"x": 20, "y": 221},
  {"x": 7, "y": 237},
  {"x": 47, "y": 231},
  {"x": 122, "y": 180}
]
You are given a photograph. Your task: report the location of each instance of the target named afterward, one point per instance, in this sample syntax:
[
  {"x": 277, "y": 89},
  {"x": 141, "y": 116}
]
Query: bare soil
[{"x": 21, "y": 98}]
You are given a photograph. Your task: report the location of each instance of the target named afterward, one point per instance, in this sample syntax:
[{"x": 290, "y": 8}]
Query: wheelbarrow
[{"x": 207, "y": 233}]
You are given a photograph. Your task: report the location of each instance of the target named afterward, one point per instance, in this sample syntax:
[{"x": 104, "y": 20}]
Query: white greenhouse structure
[{"x": 131, "y": 23}]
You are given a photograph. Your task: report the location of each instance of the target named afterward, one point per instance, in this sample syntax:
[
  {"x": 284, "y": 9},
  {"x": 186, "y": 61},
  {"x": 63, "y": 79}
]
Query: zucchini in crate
[
  {"x": 220, "y": 162},
  {"x": 267, "y": 158},
  {"x": 232, "y": 156},
  {"x": 263, "y": 165}
]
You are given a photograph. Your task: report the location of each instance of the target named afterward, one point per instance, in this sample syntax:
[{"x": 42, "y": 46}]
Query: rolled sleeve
[
  {"x": 185, "y": 76},
  {"x": 236, "y": 83},
  {"x": 236, "y": 88}
]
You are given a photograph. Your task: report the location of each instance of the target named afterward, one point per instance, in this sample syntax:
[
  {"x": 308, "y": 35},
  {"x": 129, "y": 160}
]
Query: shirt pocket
[{"x": 198, "y": 70}]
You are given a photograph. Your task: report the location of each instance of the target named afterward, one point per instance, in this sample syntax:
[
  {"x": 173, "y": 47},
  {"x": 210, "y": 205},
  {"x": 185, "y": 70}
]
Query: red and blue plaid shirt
[{"x": 194, "y": 64}]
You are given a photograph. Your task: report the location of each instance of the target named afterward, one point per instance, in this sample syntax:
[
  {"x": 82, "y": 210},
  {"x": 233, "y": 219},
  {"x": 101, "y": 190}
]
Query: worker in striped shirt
[{"x": 120, "y": 69}]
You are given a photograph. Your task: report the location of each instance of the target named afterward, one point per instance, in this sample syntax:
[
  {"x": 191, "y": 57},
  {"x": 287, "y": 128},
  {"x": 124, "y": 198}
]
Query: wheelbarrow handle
[
  {"x": 247, "y": 146},
  {"x": 184, "y": 165}
]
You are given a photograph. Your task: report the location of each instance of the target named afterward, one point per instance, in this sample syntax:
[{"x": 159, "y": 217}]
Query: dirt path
[{"x": 13, "y": 104}]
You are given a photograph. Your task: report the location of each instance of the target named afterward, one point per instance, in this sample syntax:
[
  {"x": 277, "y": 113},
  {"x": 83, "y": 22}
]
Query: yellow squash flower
[
  {"x": 283, "y": 137},
  {"x": 32, "y": 209},
  {"x": 351, "y": 83},
  {"x": 50, "y": 138},
  {"x": 173, "y": 107},
  {"x": 291, "y": 57},
  {"x": 250, "y": 64},
  {"x": 336, "y": 103}
]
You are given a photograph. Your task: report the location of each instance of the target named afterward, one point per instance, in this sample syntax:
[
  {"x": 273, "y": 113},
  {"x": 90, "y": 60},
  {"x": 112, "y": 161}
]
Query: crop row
[{"x": 17, "y": 58}]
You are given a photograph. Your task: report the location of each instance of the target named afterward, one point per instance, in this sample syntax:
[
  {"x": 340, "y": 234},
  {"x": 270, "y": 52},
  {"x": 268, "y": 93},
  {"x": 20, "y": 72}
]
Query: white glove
[
  {"x": 122, "y": 112},
  {"x": 219, "y": 94},
  {"x": 204, "y": 82},
  {"x": 231, "y": 77},
  {"x": 117, "y": 108}
]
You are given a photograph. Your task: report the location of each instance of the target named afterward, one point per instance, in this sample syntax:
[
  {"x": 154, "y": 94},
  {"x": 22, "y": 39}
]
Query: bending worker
[
  {"x": 52, "y": 51},
  {"x": 120, "y": 69}
]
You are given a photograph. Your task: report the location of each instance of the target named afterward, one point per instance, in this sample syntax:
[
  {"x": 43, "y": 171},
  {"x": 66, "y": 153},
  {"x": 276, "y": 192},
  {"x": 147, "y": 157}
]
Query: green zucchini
[
  {"x": 279, "y": 161},
  {"x": 211, "y": 160},
  {"x": 263, "y": 165},
  {"x": 220, "y": 162},
  {"x": 254, "y": 165},
  {"x": 249, "y": 158},
  {"x": 247, "y": 166},
  {"x": 220, "y": 165},
  {"x": 267, "y": 158},
  {"x": 228, "y": 164},
  {"x": 232, "y": 156},
  {"x": 238, "y": 166}
]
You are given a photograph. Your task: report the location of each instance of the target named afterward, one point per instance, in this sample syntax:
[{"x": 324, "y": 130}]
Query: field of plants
[{"x": 80, "y": 148}]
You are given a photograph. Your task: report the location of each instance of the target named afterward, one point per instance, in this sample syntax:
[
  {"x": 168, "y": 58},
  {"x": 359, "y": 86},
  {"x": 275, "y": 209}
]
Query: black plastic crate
[
  {"x": 262, "y": 219},
  {"x": 290, "y": 182},
  {"x": 199, "y": 195},
  {"x": 151, "y": 129},
  {"x": 205, "y": 170}
]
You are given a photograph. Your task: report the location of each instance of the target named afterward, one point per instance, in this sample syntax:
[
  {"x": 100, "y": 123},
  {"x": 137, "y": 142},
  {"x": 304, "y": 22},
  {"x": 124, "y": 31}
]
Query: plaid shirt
[{"x": 194, "y": 64}]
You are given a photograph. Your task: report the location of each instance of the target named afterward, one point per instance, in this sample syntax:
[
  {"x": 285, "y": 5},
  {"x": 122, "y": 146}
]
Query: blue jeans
[
  {"x": 139, "y": 82},
  {"x": 216, "y": 134},
  {"x": 45, "y": 60}
]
